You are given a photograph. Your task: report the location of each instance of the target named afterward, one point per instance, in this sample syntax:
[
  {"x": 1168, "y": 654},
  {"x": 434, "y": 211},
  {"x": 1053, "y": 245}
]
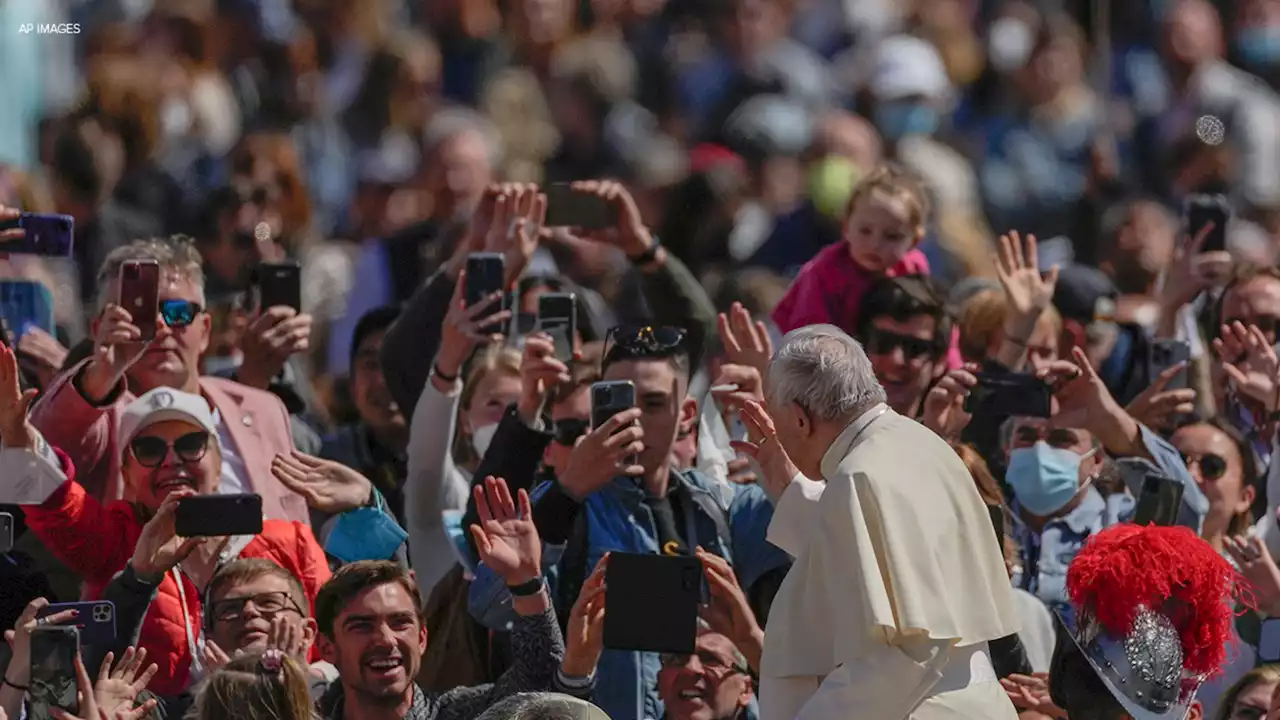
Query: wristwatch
[{"x": 649, "y": 255}]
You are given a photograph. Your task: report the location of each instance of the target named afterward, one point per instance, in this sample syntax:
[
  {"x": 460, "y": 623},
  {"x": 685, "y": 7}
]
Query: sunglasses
[
  {"x": 568, "y": 430},
  {"x": 179, "y": 313},
  {"x": 150, "y": 451},
  {"x": 1212, "y": 465},
  {"x": 709, "y": 660},
  {"x": 644, "y": 340},
  {"x": 883, "y": 342}
]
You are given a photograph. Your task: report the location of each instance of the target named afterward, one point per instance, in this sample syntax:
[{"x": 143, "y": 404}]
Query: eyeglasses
[
  {"x": 883, "y": 342},
  {"x": 179, "y": 313},
  {"x": 644, "y": 340},
  {"x": 268, "y": 603},
  {"x": 568, "y": 430},
  {"x": 707, "y": 659},
  {"x": 1212, "y": 465},
  {"x": 150, "y": 451}
]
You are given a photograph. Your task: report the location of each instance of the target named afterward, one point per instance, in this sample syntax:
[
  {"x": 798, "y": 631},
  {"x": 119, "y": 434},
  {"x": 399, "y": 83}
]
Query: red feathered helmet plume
[{"x": 1127, "y": 571}]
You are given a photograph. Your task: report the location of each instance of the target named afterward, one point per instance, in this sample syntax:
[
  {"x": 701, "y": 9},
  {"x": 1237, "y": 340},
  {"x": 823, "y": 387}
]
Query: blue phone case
[
  {"x": 97, "y": 620},
  {"x": 25, "y": 303}
]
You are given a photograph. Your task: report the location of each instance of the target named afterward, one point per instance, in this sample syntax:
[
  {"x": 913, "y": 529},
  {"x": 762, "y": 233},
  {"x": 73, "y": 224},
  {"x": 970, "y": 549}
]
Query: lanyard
[{"x": 195, "y": 641}]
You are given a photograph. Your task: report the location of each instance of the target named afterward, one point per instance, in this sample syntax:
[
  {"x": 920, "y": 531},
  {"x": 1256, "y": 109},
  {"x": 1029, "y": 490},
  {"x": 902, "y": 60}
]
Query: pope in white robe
[{"x": 898, "y": 582}]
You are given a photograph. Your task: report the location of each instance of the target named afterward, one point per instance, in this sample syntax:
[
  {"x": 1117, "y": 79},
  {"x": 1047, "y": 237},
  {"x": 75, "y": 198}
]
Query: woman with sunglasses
[{"x": 1222, "y": 464}]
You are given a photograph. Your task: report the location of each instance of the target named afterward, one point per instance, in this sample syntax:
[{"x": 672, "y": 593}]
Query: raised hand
[
  {"x": 466, "y": 327},
  {"x": 41, "y": 354},
  {"x": 214, "y": 657},
  {"x": 118, "y": 687},
  {"x": 518, "y": 216},
  {"x": 729, "y": 613},
  {"x": 746, "y": 385},
  {"x": 277, "y": 334},
  {"x": 19, "y": 638},
  {"x": 327, "y": 486},
  {"x": 16, "y": 430},
  {"x": 585, "y": 641},
  {"x": 118, "y": 344},
  {"x": 159, "y": 549},
  {"x": 1159, "y": 408},
  {"x": 540, "y": 372},
  {"x": 746, "y": 342},
  {"x": 763, "y": 446},
  {"x": 1250, "y": 361},
  {"x": 1017, "y": 267},
  {"x": 1193, "y": 271},
  {"x": 288, "y": 637},
  {"x": 506, "y": 539},
  {"x": 944, "y": 411},
  {"x": 599, "y": 456},
  {"x": 1083, "y": 399},
  {"x": 630, "y": 235}
]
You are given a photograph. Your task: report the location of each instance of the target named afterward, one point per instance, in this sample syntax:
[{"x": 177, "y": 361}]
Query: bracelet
[
  {"x": 435, "y": 368},
  {"x": 15, "y": 686},
  {"x": 529, "y": 589}
]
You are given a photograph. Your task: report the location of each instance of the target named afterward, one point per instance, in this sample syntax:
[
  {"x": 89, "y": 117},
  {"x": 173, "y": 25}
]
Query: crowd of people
[{"x": 834, "y": 231}]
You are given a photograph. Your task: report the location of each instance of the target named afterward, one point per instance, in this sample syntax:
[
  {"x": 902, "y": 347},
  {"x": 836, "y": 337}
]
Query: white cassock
[{"x": 897, "y": 586}]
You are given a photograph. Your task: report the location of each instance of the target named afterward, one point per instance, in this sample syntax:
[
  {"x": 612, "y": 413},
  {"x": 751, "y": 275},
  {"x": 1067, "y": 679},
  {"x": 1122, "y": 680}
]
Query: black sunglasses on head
[
  {"x": 883, "y": 342},
  {"x": 150, "y": 451},
  {"x": 642, "y": 340}
]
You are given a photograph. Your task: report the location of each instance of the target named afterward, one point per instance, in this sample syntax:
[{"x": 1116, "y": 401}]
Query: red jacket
[{"x": 97, "y": 541}]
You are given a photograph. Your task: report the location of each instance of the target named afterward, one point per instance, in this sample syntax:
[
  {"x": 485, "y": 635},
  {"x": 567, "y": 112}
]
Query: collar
[
  {"x": 331, "y": 705},
  {"x": 845, "y": 442},
  {"x": 1083, "y": 517}
]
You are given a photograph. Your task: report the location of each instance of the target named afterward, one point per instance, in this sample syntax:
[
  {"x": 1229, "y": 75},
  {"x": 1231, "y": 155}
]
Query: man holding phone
[{"x": 81, "y": 411}]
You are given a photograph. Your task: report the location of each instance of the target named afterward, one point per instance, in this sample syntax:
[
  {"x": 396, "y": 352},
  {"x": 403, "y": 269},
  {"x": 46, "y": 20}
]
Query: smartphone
[
  {"x": 96, "y": 621},
  {"x": 1200, "y": 210},
  {"x": 558, "y": 317},
  {"x": 609, "y": 398},
  {"x": 1164, "y": 355},
  {"x": 218, "y": 515},
  {"x": 1159, "y": 502},
  {"x": 1012, "y": 394},
  {"x": 1269, "y": 641},
  {"x": 49, "y": 235},
  {"x": 997, "y": 521},
  {"x": 140, "y": 294},
  {"x": 569, "y": 208},
  {"x": 280, "y": 285},
  {"x": 653, "y": 602},
  {"x": 486, "y": 275},
  {"x": 24, "y": 304},
  {"x": 6, "y": 532},
  {"x": 53, "y": 671}
]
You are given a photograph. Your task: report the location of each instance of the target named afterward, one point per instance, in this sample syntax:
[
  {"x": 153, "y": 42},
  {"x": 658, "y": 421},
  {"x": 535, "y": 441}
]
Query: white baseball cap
[
  {"x": 907, "y": 66},
  {"x": 161, "y": 404}
]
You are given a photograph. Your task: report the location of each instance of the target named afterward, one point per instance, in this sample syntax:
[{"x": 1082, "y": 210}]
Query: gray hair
[
  {"x": 448, "y": 123},
  {"x": 824, "y": 371},
  {"x": 177, "y": 256},
  {"x": 543, "y": 706}
]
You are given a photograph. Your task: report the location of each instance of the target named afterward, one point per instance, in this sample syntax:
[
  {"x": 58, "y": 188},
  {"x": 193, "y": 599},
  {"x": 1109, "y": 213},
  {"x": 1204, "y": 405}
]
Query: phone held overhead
[
  {"x": 43, "y": 234},
  {"x": 140, "y": 294}
]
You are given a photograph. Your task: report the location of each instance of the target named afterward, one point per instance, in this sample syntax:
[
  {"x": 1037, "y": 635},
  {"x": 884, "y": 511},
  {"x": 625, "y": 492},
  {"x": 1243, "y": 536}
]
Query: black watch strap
[
  {"x": 529, "y": 589},
  {"x": 649, "y": 255}
]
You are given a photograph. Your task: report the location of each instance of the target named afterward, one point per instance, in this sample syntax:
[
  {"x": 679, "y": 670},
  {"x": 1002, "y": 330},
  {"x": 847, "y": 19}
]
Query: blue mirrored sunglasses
[{"x": 179, "y": 313}]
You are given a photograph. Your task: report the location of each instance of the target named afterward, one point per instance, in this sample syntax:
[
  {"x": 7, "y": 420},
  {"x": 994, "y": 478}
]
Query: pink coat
[
  {"x": 830, "y": 288},
  {"x": 256, "y": 420}
]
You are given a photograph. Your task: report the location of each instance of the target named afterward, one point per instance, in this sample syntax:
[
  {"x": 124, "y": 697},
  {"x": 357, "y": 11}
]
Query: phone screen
[
  {"x": 1160, "y": 501},
  {"x": 567, "y": 208},
  {"x": 53, "y": 670}
]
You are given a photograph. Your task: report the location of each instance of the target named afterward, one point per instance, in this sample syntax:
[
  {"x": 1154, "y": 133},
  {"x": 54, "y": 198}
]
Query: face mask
[
  {"x": 1044, "y": 478},
  {"x": 831, "y": 182},
  {"x": 482, "y": 436},
  {"x": 1259, "y": 46},
  {"x": 899, "y": 120},
  {"x": 1009, "y": 44},
  {"x": 175, "y": 118}
]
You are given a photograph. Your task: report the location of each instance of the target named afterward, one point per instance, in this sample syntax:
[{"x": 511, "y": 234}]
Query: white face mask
[
  {"x": 175, "y": 117},
  {"x": 1009, "y": 44},
  {"x": 482, "y": 436}
]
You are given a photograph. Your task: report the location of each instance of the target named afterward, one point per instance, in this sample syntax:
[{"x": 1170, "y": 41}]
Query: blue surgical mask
[
  {"x": 903, "y": 119},
  {"x": 1259, "y": 47},
  {"x": 1044, "y": 478}
]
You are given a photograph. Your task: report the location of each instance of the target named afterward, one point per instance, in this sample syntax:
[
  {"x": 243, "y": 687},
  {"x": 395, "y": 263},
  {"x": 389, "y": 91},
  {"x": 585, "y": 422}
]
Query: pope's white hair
[{"x": 824, "y": 371}]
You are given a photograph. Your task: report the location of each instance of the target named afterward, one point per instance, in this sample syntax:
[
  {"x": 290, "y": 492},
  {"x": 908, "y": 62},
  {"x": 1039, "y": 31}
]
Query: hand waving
[
  {"x": 1250, "y": 361},
  {"x": 505, "y": 537},
  {"x": 762, "y": 445},
  {"x": 118, "y": 687},
  {"x": 1017, "y": 267},
  {"x": 41, "y": 354},
  {"x": 745, "y": 342},
  {"x": 326, "y": 485},
  {"x": 518, "y": 215},
  {"x": 15, "y": 426},
  {"x": 585, "y": 641}
]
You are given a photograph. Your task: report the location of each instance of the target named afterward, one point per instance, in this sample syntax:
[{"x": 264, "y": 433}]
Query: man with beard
[{"x": 906, "y": 330}]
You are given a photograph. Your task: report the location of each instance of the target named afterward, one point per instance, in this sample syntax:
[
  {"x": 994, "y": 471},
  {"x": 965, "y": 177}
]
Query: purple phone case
[
  {"x": 97, "y": 620},
  {"x": 46, "y": 234}
]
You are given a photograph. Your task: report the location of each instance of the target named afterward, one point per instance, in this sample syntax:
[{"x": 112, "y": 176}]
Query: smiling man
[
  {"x": 714, "y": 683},
  {"x": 80, "y": 412},
  {"x": 905, "y": 328}
]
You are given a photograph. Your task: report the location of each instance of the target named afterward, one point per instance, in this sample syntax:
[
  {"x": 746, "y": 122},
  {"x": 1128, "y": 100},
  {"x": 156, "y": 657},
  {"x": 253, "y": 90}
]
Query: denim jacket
[
  {"x": 616, "y": 520},
  {"x": 1045, "y": 555}
]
